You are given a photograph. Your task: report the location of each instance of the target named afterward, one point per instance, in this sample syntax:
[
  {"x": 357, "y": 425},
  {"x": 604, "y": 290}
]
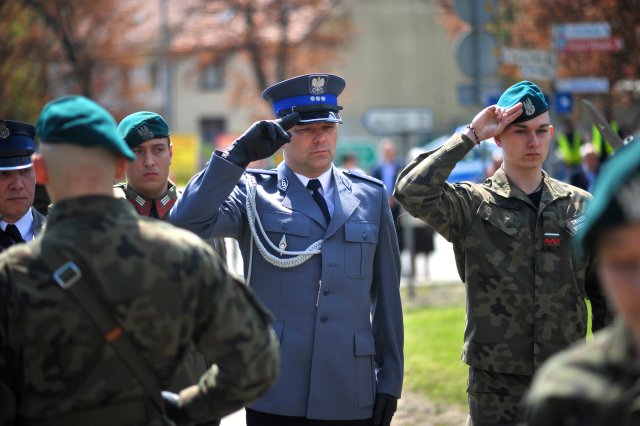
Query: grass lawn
[{"x": 433, "y": 343}]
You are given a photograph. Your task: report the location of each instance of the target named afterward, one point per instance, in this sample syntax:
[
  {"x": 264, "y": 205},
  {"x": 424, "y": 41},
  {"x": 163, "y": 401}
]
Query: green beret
[
  {"x": 616, "y": 198},
  {"x": 142, "y": 126},
  {"x": 530, "y": 95},
  {"x": 80, "y": 121}
]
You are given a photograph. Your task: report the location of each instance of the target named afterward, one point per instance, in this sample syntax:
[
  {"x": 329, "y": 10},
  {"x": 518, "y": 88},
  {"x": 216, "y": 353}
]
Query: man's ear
[
  {"x": 551, "y": 130},
  {"x": 170, "y": 153},
  {"x": 121, "y": 166},
  {"x": 40, "y": 168}
]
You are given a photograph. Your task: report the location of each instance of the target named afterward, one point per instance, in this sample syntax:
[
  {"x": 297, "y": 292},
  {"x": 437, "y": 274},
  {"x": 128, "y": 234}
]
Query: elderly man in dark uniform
[
  {"x": 19, "y": 221},
  {"x": 320, "y": 250}
]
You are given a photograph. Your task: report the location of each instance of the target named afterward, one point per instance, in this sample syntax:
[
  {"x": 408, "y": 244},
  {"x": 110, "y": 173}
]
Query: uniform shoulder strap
[{"x": 72, "y": 275}]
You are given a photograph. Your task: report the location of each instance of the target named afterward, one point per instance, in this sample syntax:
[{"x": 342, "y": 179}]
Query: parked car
[{"x": 473, "y": 167}]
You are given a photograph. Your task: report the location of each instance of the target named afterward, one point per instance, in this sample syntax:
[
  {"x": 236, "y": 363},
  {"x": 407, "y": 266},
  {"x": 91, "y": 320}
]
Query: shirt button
[
  {"x": 324, "y": 318},
  {"x": 364, "y": 236}
]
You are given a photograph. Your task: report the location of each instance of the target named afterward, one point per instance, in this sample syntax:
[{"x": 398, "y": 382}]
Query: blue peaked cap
[
  {"x": 16, "y": 145},
  {"x": 313, "y": 96}
]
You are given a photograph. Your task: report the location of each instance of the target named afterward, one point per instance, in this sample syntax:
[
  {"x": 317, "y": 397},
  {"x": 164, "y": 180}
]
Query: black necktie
[
  {"x": 314, "y": 185},
  {"x": 13, "y": 233}
]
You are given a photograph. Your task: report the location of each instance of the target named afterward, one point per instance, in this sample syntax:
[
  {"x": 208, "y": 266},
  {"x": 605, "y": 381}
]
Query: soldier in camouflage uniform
[
  {"x": 526, "y": 286},
  {"x": 596, "y": 383},
  {"x": 163, "y": 286}
]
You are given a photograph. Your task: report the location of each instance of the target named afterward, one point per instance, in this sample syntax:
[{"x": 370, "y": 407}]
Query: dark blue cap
[
  {"x": 16, "y": 144},
  {"x": 533, "y": 101},
  {"x": 313, "y": 96}
]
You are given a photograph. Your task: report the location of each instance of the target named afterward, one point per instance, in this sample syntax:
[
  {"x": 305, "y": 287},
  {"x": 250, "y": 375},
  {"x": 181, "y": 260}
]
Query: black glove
[
  {"x": 261, "y": 140},
  {"x": 173, "y": 410},
  {"x": 384, "y": 409}
]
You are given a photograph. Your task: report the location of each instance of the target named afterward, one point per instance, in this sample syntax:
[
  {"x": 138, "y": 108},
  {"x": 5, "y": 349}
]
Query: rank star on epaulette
[
  {"x": 144, "y": 132},
  {"x": 4, "y": 130}
]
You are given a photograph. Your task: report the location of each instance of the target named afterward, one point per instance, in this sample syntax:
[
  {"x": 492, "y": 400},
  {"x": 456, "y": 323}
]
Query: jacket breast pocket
[
  {"x": 361, "y": 240},
  {"x": 288, "y": 230},
  {"x": 365, "y": 379}
]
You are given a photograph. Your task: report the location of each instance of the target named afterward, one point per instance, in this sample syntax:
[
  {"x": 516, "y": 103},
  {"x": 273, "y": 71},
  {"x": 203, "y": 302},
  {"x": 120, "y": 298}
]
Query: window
[{"x": 212, "y": 76}]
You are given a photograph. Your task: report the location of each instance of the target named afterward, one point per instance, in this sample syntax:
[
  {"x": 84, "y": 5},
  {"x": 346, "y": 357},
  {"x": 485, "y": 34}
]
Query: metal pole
[{"x": 166, "y": 74}]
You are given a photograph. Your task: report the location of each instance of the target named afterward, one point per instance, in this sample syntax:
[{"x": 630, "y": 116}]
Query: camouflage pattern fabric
[
  {"x": 592, "y": 384},
  {"x": 525, "y": 283},
  {"x": 494, "y": 398},
  {"x": 165, "y": 287}
]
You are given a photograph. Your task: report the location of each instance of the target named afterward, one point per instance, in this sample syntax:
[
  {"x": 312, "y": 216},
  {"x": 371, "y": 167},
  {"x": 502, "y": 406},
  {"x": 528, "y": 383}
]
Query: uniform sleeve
[
  {"x": 233, "y": 330},
  {"x": 8, "y": 367},
  {"x": 423, "y": 191},
  {"x": 387, "y": 322},
  {"x": 601, "y": 314},
  {"x": 213, "y": 203}
]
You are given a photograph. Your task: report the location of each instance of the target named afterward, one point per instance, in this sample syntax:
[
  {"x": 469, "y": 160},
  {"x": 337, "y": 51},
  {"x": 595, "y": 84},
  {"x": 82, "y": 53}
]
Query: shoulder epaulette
[{"x": 351, "y": 173}]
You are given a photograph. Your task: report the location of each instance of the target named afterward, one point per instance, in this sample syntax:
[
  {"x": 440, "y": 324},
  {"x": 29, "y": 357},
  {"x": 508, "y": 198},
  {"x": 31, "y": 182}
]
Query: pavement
[{"x": 439, "y": 267}]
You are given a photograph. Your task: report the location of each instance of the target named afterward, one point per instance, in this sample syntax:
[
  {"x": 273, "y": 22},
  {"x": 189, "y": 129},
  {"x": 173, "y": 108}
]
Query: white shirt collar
[
  {"x": 325, "y": 180},
  {"x": 24, "y": 225}
]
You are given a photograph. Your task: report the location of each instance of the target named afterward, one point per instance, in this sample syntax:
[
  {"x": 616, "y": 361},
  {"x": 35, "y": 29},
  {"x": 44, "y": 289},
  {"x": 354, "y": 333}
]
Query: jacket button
[
  {"x": 326, "y": 292},
  {"x": 324, "y": 318},
  {"x": 364, "y": 236}
]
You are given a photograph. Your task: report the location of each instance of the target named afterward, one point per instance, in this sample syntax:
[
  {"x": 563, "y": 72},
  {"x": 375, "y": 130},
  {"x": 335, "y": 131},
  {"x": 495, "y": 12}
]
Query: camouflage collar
[
  {"x": 501, "y": 185},
  {"x": 143, "y": 205},
  {"x": 86, "y": 205}
]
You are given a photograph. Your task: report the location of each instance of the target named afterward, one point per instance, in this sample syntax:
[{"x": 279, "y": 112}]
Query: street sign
[
  {"x": 476, "y": 12},
  {"x": 511, "y": 55},
  {"x": 583, "y": 85},
  {"x": 583, "y": 30},
  {"x": 592, "y": 44},
  {"x": 477, "y": 53},
  {"x": 398, "y": 120},
  {"x": 564, "y": 103},
  {"x": 540, "y": 71}
]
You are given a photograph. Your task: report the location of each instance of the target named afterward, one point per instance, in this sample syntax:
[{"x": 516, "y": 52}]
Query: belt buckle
[{"x": 62, "y": 275}]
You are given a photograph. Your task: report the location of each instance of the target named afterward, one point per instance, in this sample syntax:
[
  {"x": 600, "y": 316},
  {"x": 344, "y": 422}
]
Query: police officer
[
  {"x": 525, "y": 284},
  {"x": 320, "y": 250},
  {"x": 97, "y": 312},
  {"x": 19, "y": 221},
  {"x": 596, "y": 383}
]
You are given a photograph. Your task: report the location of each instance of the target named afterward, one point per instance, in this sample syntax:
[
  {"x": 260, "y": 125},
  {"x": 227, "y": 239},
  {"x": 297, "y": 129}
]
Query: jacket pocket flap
[
  {"x": 363, "y": 342},
  {"x": 361, "y": 232},
  {"x": 506, "y": 221},
  {"x": 286, "y": 223}
]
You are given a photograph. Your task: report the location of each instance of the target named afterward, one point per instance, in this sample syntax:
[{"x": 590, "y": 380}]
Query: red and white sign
[{"x": 611, "y": 44}]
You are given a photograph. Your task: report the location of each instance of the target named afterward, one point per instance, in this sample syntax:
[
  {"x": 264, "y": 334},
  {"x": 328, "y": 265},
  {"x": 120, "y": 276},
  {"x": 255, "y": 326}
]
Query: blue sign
[{"x": 564, "y": 103}]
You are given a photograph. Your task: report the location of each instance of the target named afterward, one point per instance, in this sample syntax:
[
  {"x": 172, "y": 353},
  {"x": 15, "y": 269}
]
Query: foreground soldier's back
[{"x": 163, "y": 286}]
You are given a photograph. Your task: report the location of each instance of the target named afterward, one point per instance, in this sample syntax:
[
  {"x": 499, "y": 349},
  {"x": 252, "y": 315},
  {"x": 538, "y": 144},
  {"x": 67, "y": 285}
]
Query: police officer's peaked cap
[
  {"x": 80, "y": 121},
  {"x": 16, "y": 145},
  {"x": 314, "y": 96},
  {"x": 142, "y": 126},
  {"x": 616, "y": 198},
  {"x": 533, "y": 101}
]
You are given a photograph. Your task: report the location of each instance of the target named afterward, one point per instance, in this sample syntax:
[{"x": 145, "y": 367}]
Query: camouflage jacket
[
  {"x": 164, "y": 286},
  {"x": 526, "y": 285},
  {"x": 592, "y": 384}
]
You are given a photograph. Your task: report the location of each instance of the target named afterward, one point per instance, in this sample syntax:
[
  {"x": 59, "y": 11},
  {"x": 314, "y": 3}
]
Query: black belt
[{"x": 123, "y": 414}]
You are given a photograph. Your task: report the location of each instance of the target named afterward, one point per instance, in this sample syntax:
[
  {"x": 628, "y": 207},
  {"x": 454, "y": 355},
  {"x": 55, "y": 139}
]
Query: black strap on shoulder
[{"x": 71, "y": 274}]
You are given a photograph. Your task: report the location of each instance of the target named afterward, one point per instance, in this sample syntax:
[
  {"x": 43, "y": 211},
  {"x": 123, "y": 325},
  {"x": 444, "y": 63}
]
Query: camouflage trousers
[{"x": 494, "y": 398}]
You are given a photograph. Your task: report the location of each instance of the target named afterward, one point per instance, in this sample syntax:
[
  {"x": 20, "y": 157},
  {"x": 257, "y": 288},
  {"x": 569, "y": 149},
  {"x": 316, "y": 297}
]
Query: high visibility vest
[
  {"x": 598, "y": 141},
  {"x": 570, "y": 150}
]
